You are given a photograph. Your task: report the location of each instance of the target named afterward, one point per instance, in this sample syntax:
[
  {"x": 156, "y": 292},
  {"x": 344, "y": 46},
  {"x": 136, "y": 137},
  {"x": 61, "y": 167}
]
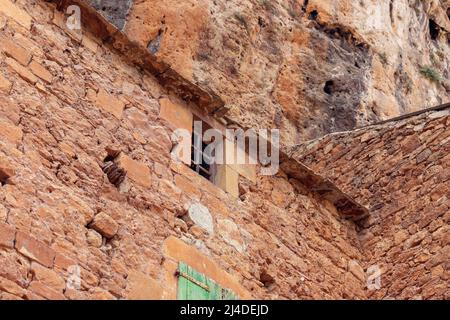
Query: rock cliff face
[{"x": 306, "y": 67}]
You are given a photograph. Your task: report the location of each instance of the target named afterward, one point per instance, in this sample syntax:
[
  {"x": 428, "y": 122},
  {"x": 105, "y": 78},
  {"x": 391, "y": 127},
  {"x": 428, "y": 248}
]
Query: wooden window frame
[{"x": 208, "y": 171}]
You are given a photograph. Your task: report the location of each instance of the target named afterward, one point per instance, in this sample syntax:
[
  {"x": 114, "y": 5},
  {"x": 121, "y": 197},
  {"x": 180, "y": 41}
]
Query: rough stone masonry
[{"x": 73, "y": 100}]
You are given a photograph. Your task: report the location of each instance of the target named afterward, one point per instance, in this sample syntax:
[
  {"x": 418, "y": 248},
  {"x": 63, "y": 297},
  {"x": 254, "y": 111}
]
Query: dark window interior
[{"x": 198, "y": 147}]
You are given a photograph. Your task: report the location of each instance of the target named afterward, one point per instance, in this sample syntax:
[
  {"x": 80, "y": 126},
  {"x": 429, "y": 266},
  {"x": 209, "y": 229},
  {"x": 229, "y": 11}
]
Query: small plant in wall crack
[{"x": 431, "y": 73}]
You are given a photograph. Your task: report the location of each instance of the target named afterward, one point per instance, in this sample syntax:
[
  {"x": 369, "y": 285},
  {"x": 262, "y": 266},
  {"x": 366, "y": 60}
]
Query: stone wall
[
  {"x": 68, "y": 103},
  {"x": 401, "y": 170}
]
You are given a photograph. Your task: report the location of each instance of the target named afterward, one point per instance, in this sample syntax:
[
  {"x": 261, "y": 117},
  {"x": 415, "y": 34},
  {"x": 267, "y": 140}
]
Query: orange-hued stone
[
  {"x": 16, "y": 51},
  {"x": 10, "y": 132},
  {"x": 45, "y": 292},
  {"x": 13, "y": 11},
  {"x": 7, "y": 236},
  {"x": 47, "y": 277},
  {"x": 34, "y": 249},
  {"x": 105, "y": 225},
  {"x": 136, "y": 171},
  {"x": 110, "y": 103},
  {"x": 178, "y": 115},
  {"x": 142, "y": 287},
  {"x": 40, "y": 71},
  {"x": 23, "y": 72},
  {"x": 177, "y": 25},
  {"x": 74, "y": 103},
  {"x": 5, "y": 84}
]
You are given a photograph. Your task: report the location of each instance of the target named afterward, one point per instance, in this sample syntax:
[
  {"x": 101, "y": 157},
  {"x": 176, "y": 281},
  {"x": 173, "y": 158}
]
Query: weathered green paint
[
  {"x": 188, "y": 290},
  {"x": 227, "y": 294}
]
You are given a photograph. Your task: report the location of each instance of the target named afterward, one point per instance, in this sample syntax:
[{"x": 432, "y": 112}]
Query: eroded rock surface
[{"x": 307, "y": 67}]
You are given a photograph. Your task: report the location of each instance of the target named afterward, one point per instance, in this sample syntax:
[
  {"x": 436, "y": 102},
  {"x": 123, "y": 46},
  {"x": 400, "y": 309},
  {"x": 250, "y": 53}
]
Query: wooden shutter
[
  {"x": 193, "y": 285},
  {"x": 227, "y": 294}
]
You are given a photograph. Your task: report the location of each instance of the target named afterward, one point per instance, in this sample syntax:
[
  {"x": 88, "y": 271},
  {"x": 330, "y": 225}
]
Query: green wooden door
[{"x": 193, "y": 285}]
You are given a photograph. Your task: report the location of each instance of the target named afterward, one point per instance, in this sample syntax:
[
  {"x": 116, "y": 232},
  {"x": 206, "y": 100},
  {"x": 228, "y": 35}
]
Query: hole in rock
[
  {"x": 266, "y": 279},
  {"x": 313, "y": 15},
  {"x": 116, "y": 175},
  {"x": 329, "y": 87},
  {"x": 434, "y": 30}
]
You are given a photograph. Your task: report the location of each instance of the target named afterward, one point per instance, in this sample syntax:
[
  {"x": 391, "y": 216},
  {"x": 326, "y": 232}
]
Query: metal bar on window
[
  {"x": 204, "y": 170},
  {"x": 191, "y": 279}
]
